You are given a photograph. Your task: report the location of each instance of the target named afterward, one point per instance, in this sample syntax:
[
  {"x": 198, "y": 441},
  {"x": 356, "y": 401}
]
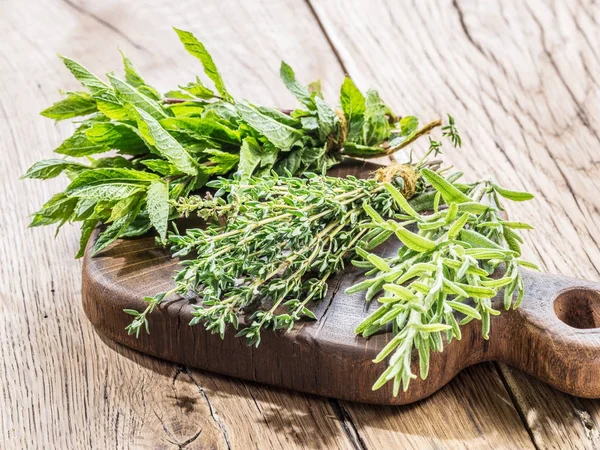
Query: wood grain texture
[{"x": 521, "y": 78}]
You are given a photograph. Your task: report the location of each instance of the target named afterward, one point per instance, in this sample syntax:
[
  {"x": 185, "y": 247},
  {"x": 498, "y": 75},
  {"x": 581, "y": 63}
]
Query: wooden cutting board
[{"x": 554, "y": 335}]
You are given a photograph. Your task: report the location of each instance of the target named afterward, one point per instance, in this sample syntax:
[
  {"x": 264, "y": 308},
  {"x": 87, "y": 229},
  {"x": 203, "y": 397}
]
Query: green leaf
[
  {"x": 50, "y": 168},
  {"x": 202, "y": 129},
  {"x": 107, "y": 191},
  {"x": 402, "y": 202},
  {"x": 353, "y": 105},
  {"x": 250, "y": 156},
  {"x": 432, "y": 327},
  {"x": 515, "y": 196},
  {"x": 197, "y": 89},
  {"x": 408, "y": 126},
  {"x": 129, "y": 94},
  {"x": 197, "y": 49},
  {"x": 74, "y": 105},
  {"x": 132, "y": 76},
  {"x": 458, "y": 225},
  {"x": 327, "y": 118},
  {"x": 116, "y": 135},
  {"x": 109, "y": 174},
  {"x": 86, "y": 78},
  {"x": 467, "y": 310},
  {"x": 280, "y": 135},
  {"x": 300, "y": 92},
  {"x": 450, "y": 193},
  {"x": 376, "y": 127},
  {"x": 165, "y": 144},
  {"x": 106, "y": 99},
  {"x": 359, "y": 150},
  {"x": 413, "y": 241},
  {"x": 165, "y": 168},
  {"x": 79, "y": 145},
  {"x": 220, "y": 162},
  {"x": 58, "y": 209},
  {"x": 115, "y": 229},
  {"x": 87, "y": 227},
  {"x": 157, "y": 199},
  {"x": 478, "y": 240}
]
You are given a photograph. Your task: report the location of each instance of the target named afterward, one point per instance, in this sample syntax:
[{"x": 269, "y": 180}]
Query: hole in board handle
[{"x": 579, "y": 308}]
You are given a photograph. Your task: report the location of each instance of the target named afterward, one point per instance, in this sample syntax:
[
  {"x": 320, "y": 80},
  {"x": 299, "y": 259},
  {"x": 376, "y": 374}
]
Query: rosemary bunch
[
  {"x": 275, "y": 243},
  {"x": 443, "y": 276},
  {"x": 168, "y": 146}
]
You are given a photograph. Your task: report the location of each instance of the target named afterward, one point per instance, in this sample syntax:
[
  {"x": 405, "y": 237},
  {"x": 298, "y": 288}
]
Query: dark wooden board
[{"x": 554, "y": 335}]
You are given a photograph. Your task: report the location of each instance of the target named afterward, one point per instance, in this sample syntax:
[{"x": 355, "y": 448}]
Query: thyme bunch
[{"x": 274, "y": 245}]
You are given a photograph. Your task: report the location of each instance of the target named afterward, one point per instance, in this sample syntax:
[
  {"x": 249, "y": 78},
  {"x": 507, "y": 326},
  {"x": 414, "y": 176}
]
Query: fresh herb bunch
[
  {"x": 444, "y": 269},
  {"x": 274, "y": 243},
  {"x": 169, "y": 146}
]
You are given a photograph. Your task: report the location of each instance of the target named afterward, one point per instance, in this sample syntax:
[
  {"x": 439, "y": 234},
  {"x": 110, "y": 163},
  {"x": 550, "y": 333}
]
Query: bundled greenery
[
  {"x": 443, "y": 270},
  {"x": 170, "y": 146},
  {"x": 278, "y": 228}
]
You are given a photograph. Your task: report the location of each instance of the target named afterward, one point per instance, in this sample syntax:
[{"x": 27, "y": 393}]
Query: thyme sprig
[
  {"x": 444, "y": 276},
  {"x": 282, "y": 239}
]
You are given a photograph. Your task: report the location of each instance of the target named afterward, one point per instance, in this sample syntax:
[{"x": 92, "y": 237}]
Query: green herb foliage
[
  {"x": 442, "y": 276},
  {"x": 169, "y": 147},
  {"x": 274, "y": 244}
]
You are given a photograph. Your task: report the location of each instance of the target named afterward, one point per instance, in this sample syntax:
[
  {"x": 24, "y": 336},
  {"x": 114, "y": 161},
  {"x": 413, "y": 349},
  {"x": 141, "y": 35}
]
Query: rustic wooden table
[{"x": 523, "y": 81}]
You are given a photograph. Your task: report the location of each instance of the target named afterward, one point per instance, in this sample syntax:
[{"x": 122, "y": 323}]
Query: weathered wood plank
[
  {"x": 522, "y": 80},
  {"x": 60, "y": 385}
]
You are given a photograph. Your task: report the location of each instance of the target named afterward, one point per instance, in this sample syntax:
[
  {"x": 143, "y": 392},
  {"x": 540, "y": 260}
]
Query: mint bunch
[{"x": 135, "y": 152}]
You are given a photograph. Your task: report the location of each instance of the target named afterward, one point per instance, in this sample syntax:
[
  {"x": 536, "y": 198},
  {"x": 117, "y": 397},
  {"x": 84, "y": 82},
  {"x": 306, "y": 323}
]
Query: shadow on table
[{"x": 474, "y": 406}]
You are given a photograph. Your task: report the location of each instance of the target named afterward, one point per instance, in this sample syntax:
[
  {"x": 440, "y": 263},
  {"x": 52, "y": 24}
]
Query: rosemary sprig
[{"x": 442, "y": 277}]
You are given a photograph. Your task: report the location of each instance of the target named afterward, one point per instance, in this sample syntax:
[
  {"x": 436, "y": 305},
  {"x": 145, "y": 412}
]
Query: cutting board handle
[{"x": 555, "y": 333}]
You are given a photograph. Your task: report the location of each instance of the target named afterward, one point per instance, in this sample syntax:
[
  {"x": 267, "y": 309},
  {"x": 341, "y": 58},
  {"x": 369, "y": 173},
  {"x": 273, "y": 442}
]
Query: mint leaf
[
  {"x": 197, "y": 49},
  {"x": 113, "y": 190},
  {"x": 106, "y": 99},
  {"x": 202, "y": 129},
  {"x": 279, "y": 116},
  {"x": 129, "y": 94},
  {"x": 157, "y": 199},
  {"x": 165, "y": 168},
  {"x": 326, "y": 116},
  {"x": 166, "y": 145},
  {"x": 353, "y": 105},
  {"x": 50, "y": 168},
  {"x": 220, "y": 162},
  {"x": 376, "y": 127},
  {"x": 74, "y": 105},
  {"x": 115, "y": 229},
  {"x": 197, "y": 89},
  {"x": 79, "y": 145},
  {"x": 408, "y": 126},
  {"x": 86, "y": 231},
  {"x": 58, "y": 209},
  {"x": 279, "y": 134},
  {"x": 122, "y": 207},
  {"x": 250, "y": 156},
  {"x": 99, "y": 176},
  {"x": 116, "y": 135},
  {"x": 300, "y": 92},
  {"x": 132, "y": 76},
  {"x": 86, "y": 78}
]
